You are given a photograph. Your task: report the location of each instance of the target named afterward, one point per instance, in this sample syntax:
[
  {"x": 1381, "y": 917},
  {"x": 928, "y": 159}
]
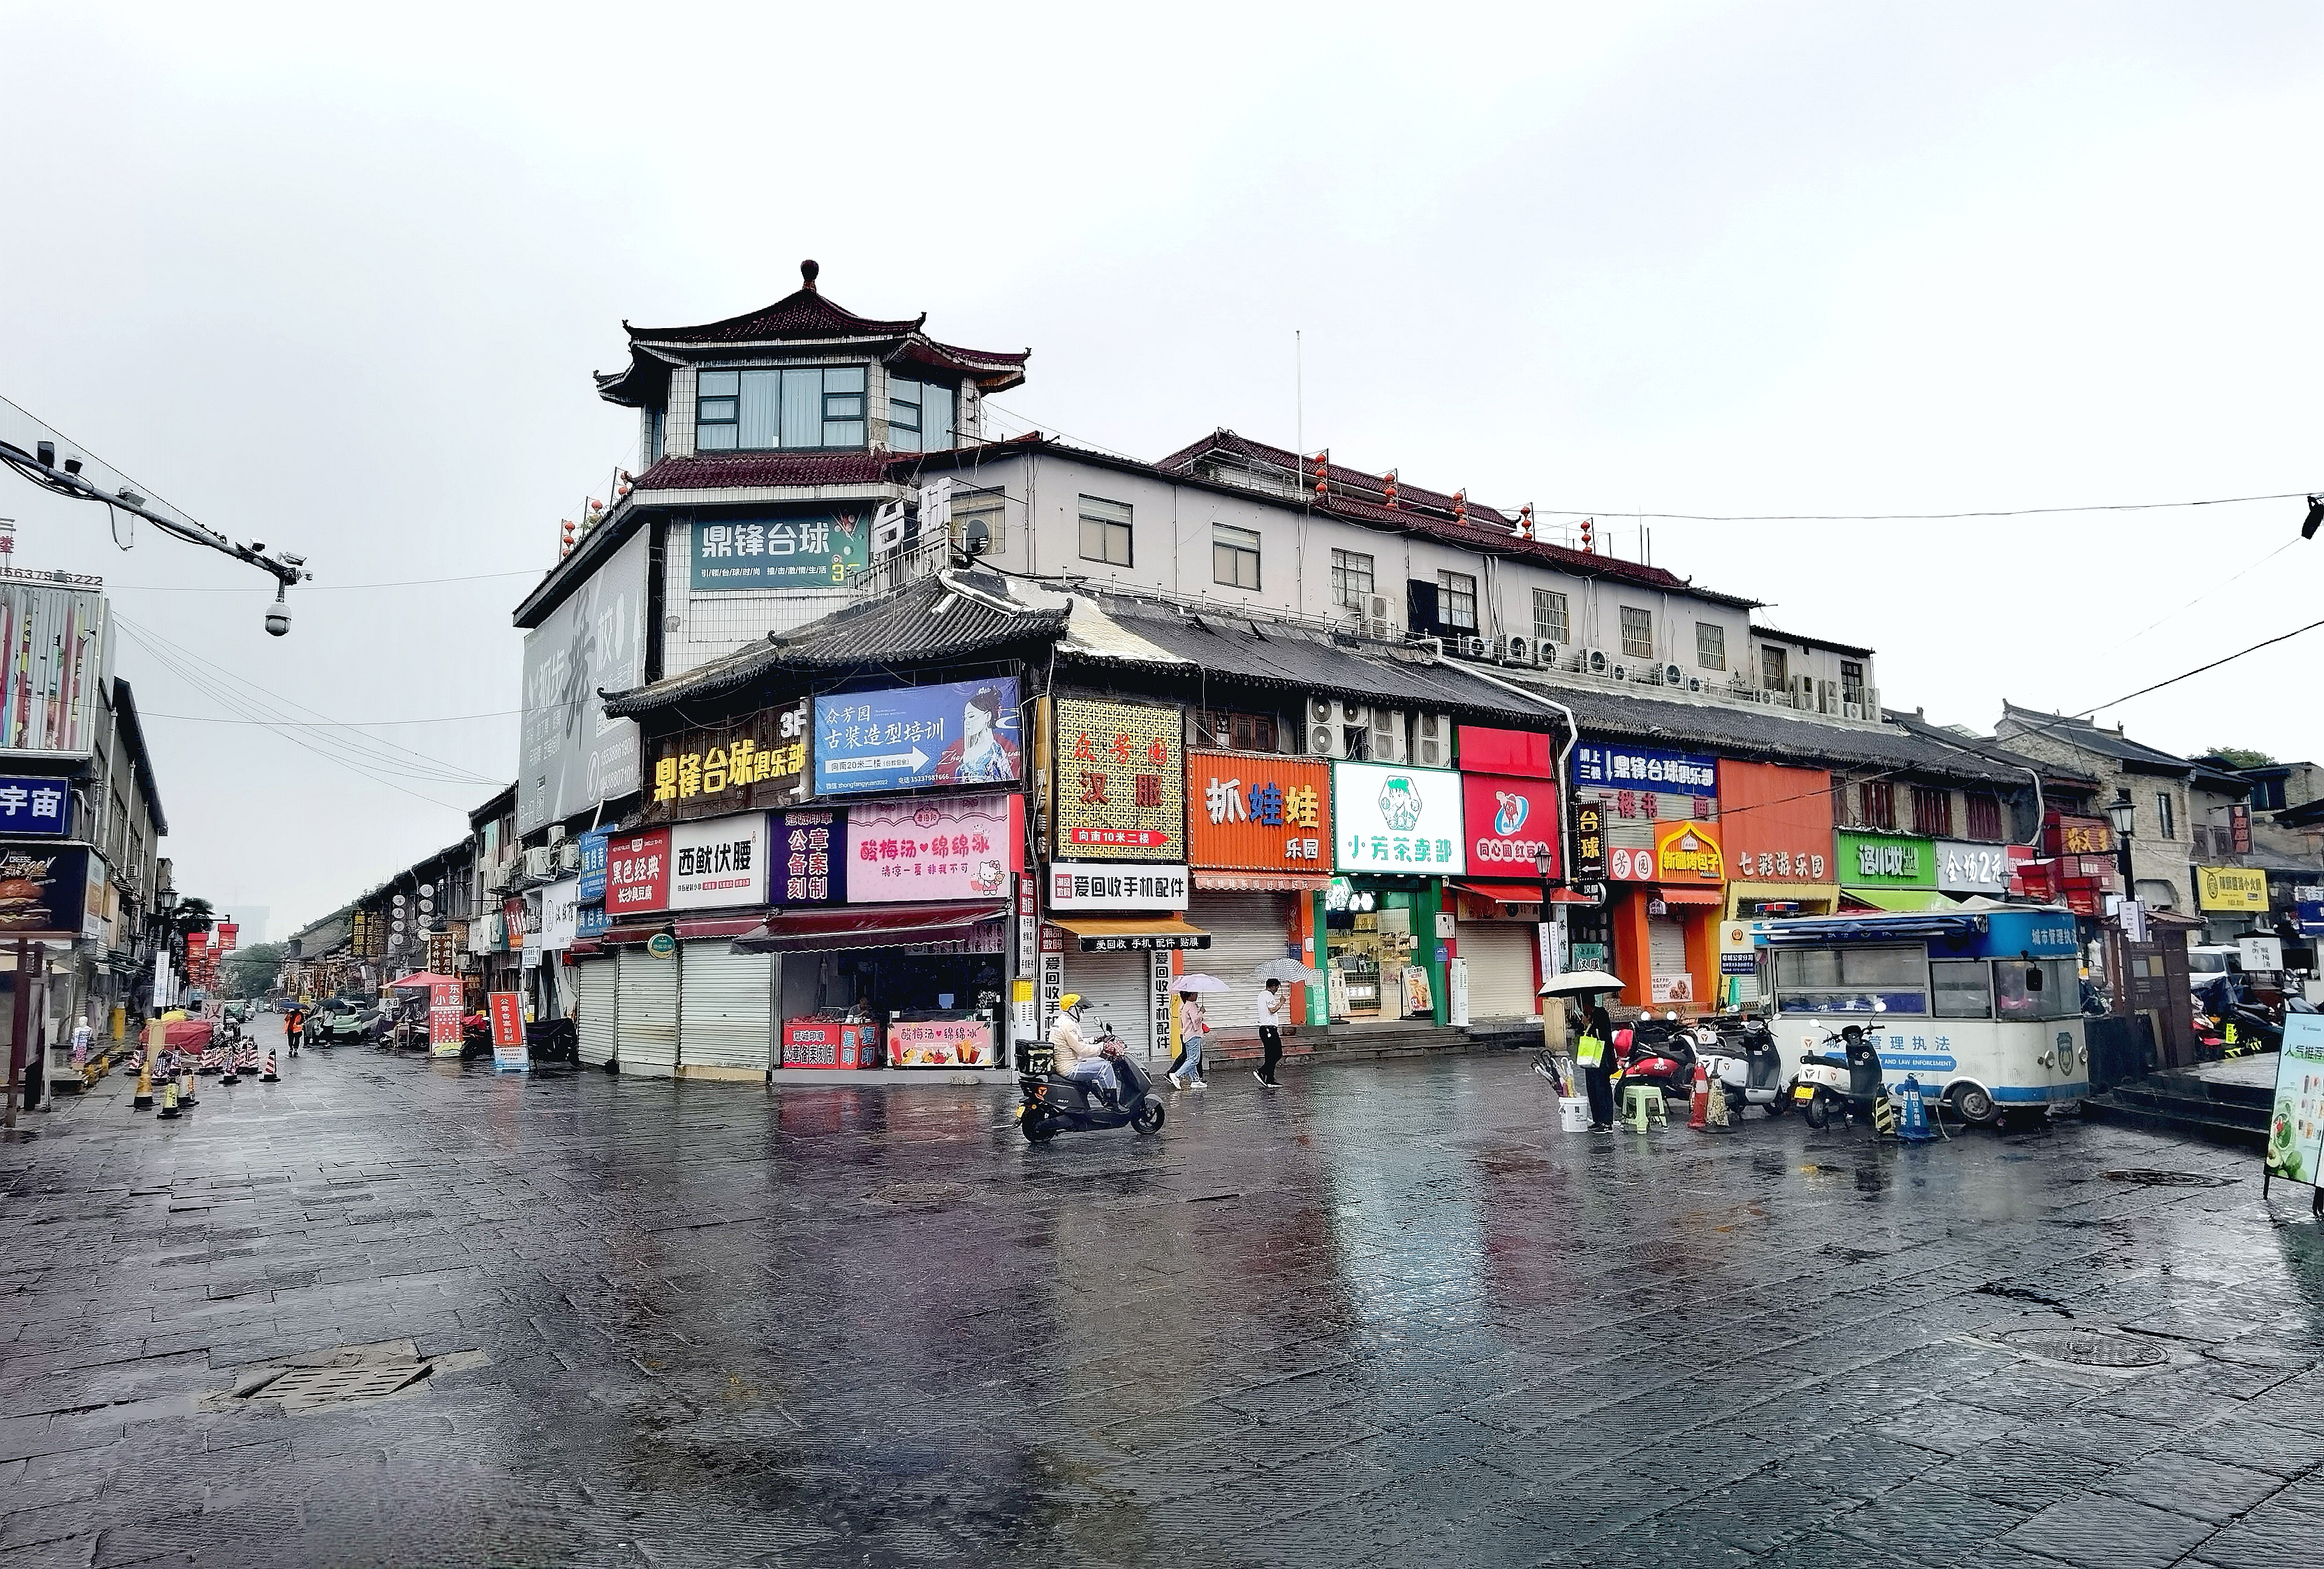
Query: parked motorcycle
[
  {"x": 1748, "y": 1069},
  {"x": 1843, "y": 1083},
  {"x": 1658, "y": 1052},
  {"x": 1054, "y": 1104}
]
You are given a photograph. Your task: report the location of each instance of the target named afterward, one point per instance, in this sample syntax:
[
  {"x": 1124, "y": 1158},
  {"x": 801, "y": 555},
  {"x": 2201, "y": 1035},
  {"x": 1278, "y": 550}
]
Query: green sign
[
  {"x": 661, "y": 945},
  {"x": 731, "y": 555},
  {"x": 1887, "y": 861}
]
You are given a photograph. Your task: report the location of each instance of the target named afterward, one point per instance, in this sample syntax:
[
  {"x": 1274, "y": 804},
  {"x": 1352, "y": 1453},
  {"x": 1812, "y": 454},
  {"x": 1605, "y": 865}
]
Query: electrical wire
[
  {"x": 341, "y": 588},
  {"x": 329, "y": 723}
]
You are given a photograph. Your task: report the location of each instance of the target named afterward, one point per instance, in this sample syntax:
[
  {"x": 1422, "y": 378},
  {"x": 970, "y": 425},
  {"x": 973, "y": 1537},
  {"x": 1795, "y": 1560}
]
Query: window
[
  {"x": 920, "y": 416},
  {"x": 1240, "y": 732},
  {"x": 1351, "y": 580},
  {"x": 1962, "y": 988},
  {"x": 988, "y": 507},
  {"x": 1933, "y": 813},
  {"x": 1105, "y": 531},
  {"x": 1775, "y": 669},
  {"x": 2040, "y": 989},
  {"x": 1550, "y": 624},
  {"x": 809, "y": 406},
  {"x": 1878, "y": 799},
  {"x": 1851, "y": 681},
  {"x": 1456, "y": 600},
  {"x": 1847, "y": 980},
  {"x": 1710, "y": 645},
  {"x": 1984, "y": 818},
  {"x": 2165, "y": 827},
  {"x": 1637, "y": 632},
  {"x": 1234, "y": 557}
]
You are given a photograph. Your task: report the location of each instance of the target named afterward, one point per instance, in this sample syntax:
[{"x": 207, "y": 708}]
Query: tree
[
  {"x": 193, "y": 914},
  {"x": 2241, "y": 757},
  {"x": 250, "y": 971}
]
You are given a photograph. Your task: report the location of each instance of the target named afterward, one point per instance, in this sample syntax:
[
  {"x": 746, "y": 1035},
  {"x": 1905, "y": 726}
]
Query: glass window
[
  {"x": 1550, "y": 623},
  {"x": 1456, "y": 600},
  {"x": 1963, "y": 988},
  {"x": 1851, "y": 681},
  {"x": 1351, "y": 579},
  {"x": 1710, "y": 645},
  {"x": 1637, "y": 632},
  {"x": 920, "y": 416},
  {"x": 1234, "y": 557},
  {"x": 802, "y": 408},
  {"x": 790, "y": 406},
  {"x": 761, "y": 390},
  {"x": 1105, "y": 531},
  {"x": 1847, "y": 980},
  {"x": 2166, "y": 827},
  {"x": 1775, "y": 669},
  {"x": 2036, "y": 989},
  {"x": 988, "y": 507},
  {"x": 717, "y": 411}
]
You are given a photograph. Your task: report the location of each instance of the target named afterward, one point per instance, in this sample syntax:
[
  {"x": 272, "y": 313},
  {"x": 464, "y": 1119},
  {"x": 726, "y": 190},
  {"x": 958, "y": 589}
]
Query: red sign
[
  {"x": 2064, "y": 835},
  {"x": 508, "y": 1020},
  {"x": 1776, "y": 821},
  {"x": 1509, "y": 821},
  {"x": 1258, "y": 813},
  {"x": 444, "y": 1018},
  {"x": 637, "y": 872},
  {"x": 1507, "y": 752}
]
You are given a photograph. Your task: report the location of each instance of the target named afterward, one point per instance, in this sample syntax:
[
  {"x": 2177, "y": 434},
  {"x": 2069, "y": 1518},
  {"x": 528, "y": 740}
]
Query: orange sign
[
  {"x": 1688, "y": 852},
  {"x": 1255, "y": 812}
]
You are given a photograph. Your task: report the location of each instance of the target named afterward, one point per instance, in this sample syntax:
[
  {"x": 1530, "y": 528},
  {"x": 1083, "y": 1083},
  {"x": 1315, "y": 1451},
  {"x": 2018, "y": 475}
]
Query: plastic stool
[{"x": 1642, "y": 1104}]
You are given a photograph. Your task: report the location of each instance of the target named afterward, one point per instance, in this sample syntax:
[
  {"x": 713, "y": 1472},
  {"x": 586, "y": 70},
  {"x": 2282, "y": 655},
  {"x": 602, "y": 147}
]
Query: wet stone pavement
[{"x": 1382, "y": 1315}]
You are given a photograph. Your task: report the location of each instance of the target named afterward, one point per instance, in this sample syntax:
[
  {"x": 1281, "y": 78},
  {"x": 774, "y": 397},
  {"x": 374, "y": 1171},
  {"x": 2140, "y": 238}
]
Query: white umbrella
[
  {"x": 1290, "y": 972},
  {"x": 1578, "y": 982},
  {"x": 1195, "y": 981}
]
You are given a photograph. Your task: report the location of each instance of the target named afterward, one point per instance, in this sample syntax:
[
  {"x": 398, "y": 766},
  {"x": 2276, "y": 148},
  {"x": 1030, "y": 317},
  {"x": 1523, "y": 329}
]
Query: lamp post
[{"x": 2122, "y": 812}]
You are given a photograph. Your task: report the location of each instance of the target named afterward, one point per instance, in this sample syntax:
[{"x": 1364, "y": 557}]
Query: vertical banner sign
[
  {"x": 509, "y": 1054},
  {"x": 811, "y": 855},
  {"x": 443, "y": 1018},
  {"x": 1588, "y": 841},
  {"x": 1053, "y": 976},
  {"x": 2295, "y": 1128},
  {"x": 1160, "y": 1043},
  {"x": 1122, "y": 781}
]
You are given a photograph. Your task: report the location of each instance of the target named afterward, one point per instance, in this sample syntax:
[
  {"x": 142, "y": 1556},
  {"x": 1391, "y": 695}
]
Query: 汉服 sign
[
  {"x": 934, "y": 848},
  {"x": 811, "y": 552},
  {"x": 811, "y": 849},
  {"x": 756, "y": 762},
  {"x": 35, "y": 806},
  {"x": 1122, "y": 781},
  {"x": 960, "y": 733},
  {"x": 1258, "y": 813},
  {"x": 1510, "y": 821},
  {"x": 1887, "y": 861},
  {"x": 1092, "y": 885},
  {"x": 1613, "y": 766},
  {"x": 2231, "y": 888},
  {"x": 719, "y": 863},
  {"x": 1387, "y": 817}
]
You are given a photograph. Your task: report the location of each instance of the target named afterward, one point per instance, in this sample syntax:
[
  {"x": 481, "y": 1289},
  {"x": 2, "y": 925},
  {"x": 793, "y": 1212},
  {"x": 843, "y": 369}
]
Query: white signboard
[
  {"x": 1967, "y": 868},
  {"x": 1385, "y": 817},
  {"x": 572, "y": 756},
  {"x": 718, "y": 863},
  {"x": 2261, "y": 953},
  {"x": 560, "y": 914},
  {"x": 1092, "y": 885}
]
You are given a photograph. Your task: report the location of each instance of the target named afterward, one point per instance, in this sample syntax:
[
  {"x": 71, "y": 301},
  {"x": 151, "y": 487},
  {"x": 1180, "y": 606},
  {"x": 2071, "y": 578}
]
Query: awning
[
  {"x": 1709, "y": 896},
  {"x": 868, "y": 926},
  {"x": 422, "y": 978},
  {"x": 1113, "y": 934},
  {"x": 1568, "y": 896},
  {"x": 731, "y": 925},
  {"x": 1503, "y": 892},
  {"x": 582, "y": 948},
  {"x": 1262, "y": 881},
  {"x": 1899, "y": 901}
]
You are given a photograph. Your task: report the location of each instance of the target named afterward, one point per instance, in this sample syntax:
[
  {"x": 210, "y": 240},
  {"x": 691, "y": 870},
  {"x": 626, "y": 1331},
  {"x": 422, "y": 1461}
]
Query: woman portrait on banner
[{"x": 981, "y": 754}]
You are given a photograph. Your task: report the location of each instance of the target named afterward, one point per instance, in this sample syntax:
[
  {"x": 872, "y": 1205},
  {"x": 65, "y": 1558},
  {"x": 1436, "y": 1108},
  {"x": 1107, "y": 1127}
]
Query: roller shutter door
[
  {"x": 593, "y": 1023},
  {"x": 1246, "y": 930},
  {"x": 1116, "y": 987},
  {"x": 1665, "y": 947},
  {"x": 727, "y": 1008},
  {"x": 1500, "y": 954},
  {"x": 645, "y": 1013}
]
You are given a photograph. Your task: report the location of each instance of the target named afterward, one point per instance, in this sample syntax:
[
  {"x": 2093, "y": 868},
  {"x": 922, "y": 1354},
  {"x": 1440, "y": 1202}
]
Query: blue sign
[
  {"x": 590, "y": 921},
  {"x": 593, "y": 866},
  {"x": 2310, "y": 918},
  {"x": 1609, "y": 766},
  {"x": 35, "y": 806},
  {"x": 2039, "y": 934},
  {"x": 962, "y": 732}
]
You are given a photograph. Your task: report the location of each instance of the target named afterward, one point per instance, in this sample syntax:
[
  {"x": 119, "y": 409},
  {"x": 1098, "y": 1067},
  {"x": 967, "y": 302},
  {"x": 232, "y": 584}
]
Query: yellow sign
[
  {"x": 2242, "y": 887},
  {"x": 1688, "y": 852}
]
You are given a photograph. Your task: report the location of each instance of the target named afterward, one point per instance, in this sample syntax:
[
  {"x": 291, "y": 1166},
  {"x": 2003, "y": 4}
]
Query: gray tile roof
[
  {"x": 2078, "y": 731},
  {"x": 1985, "y": 746}
]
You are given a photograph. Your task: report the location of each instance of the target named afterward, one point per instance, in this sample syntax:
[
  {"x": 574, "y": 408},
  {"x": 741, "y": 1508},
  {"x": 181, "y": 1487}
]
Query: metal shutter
[
  {"x": 727, "y": 1008},
  {"x": 1665, "y": 948},
  {"x": 646, "y": 1013},
  {"x": 593, "y": 1023},
  {"x": 1500, "y": 968},
  {"x": 1117, "y": 987},
  {"x": 1246, "y": 930}
]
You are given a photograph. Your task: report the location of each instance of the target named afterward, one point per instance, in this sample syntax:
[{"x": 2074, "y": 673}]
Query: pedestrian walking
[
  {"x": 1270, "y": 1032},
  {"x": 293, "y": 1023},
  {"x": 1593, "y": 1054},
  {"x": 1194, "y": 1028}
]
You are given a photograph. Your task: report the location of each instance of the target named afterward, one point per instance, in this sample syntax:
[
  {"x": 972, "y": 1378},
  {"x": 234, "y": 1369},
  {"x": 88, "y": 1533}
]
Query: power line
[
  {"x": 330, "y": 723},
  {"x": 313, "y": 587},
  {"x": 2198, "y": 670}
]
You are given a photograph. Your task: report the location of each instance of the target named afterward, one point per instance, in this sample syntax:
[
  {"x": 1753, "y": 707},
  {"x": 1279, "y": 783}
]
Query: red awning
[
  {"x": 1263, "y": 882},
  {"x": 1689, "y": 895},
  {"x": 731, "y": 925},
  {"x": 423, "y": 978},
  {"x": 582, "y": 948},
  {"x": 1567, "y": 896},
  {"x": 868, "y": 925},
  {"x": 1504, "y": 892}
]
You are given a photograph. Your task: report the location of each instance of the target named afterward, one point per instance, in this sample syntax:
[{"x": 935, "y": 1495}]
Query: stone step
[{"x": 2180, "y": 1117}]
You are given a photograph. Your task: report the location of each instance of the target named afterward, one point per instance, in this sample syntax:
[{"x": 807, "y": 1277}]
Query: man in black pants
[
  {"x": 1594, "y": 1053},
  {"x": 1270, "y": 1032}
]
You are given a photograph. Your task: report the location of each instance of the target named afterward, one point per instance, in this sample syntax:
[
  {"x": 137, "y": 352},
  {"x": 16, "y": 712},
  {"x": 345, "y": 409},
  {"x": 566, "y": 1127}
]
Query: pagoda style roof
[{"x": 801, "y": 316}]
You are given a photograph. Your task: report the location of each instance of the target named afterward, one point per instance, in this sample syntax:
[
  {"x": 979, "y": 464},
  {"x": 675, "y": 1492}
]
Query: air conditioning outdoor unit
[
  {"x": 1430, "y": 733},
  {"x": 569, "y": 856},
  {"x": 1593, "y": 662},
  {"x": 1378, "y": 622},
  {"x": 556, "y": 832},
  {"x": 1474, "y": 648},
  {"x": 1872, "y": 702},
  {"x": 1387, "y": 736},
  {"x": 1851, "y": 710},
  {"x": 1618, "y": 673},
  {"x": 1516, "y": 651},
  {"x": 1804, "y": 693},
  {"x": 1673, "y": 675},
  {"x": 538, "y": 863},
  {"x": 1325, "y": 736},
  {"x": 1827, "y": 697},
  {"x": 1695, "y": 683},
  {"x": 1546, "y": 654}
]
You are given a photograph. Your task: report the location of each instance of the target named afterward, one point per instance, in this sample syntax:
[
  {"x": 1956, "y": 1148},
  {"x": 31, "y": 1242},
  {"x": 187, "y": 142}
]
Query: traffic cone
[
  {"x": 232, "y": 1075},
  {"x": 169, "y": 1099},
  {"x": 143, "y": 1099},
  {"x": 1884, "y": 1114},
  {"x": 1914, "y": 1128},
  {"x": 270, "y": 1076},
  {"x": 1698, "y": 1115},
  {"x": 186, "y": 1096}
]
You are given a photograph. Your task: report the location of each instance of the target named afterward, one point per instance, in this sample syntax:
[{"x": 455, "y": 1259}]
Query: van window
[
  {"x": 1847, "y": 980},
  {"x": 1962, "y": 988},
  {"x": 2037, "y": 989}
]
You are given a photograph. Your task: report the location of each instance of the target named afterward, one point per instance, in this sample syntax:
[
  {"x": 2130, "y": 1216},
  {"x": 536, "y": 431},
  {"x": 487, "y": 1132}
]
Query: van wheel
[{"x": 1972, "y": 1104}]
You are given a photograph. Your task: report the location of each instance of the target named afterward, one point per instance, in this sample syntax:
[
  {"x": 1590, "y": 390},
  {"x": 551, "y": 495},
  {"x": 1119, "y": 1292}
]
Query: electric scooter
[
  {"x": 1750, "y": 1068},
  {"x": 1657, "y": 1052},
  {"x": 1054, "y": 1104},
  {"x": 1845, "y": 1083}
]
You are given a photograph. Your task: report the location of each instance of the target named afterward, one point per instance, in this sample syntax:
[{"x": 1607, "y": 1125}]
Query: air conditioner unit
[
  {"x": 1546, "y": 654},
  {"x": 1376, "y": 610},
  {"x": 1593, "y": 662},
  {"x": 1803, "y": 692},
  {"x": 1431, "y": 733},
  {"x": 1673, "y": 675},
  {"x": 556, "y": 832},
  {"x": 1851, "y": 710},
  {"x": 1387, "y": 737},
  {"x": 1695, "y": 683},
  {"x": 1516, "y": 651},
  {"x": 1474, "y": 648},
  {"x": 1872, "y": 702},
  {"x": 1828, "y": 697},
  {"x": 1326, "y": 741},
  {"x": 538, "y": 863},
  {"x": 1618, "y": 673},
  {"x": 569, "y": 856}
]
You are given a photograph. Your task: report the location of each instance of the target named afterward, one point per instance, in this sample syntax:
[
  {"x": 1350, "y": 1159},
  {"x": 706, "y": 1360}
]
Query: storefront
[
  {"x": 1259, "y": 835},
  {"x": 2233, "y": 900},
  {"x": 1510, "y": 822},
  {"x": 1776, "y": 822},
  {"x": 1888, "y": 871},
  {"x": 1397, "y": 835},
  {"x": 1665, "y": 872}
]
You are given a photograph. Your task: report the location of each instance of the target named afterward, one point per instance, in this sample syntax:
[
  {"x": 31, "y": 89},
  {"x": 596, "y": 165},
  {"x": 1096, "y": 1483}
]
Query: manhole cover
[
  {"x": 2090, "y": 1348},
  {"x": 2169, "y": 1178},
  {"x": 304, "y": 1389}
]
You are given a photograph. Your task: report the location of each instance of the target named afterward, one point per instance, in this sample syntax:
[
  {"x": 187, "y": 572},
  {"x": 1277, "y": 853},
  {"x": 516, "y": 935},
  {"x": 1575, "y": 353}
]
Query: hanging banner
[
  {"x": 905, "y": 737},
  {"x": 1122, "y": 781},
  {"x": 936, "y": 847},
  {"x": 756, "y": 762}
]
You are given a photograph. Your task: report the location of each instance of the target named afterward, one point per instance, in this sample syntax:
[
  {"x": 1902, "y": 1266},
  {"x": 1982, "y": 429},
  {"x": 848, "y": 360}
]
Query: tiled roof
[
  {"x": 2075, "y": 730},
  {"x": 1983, "y": 747},
  {"x": 715, "y": 470},
  {"x": 1811, "y": 642}
]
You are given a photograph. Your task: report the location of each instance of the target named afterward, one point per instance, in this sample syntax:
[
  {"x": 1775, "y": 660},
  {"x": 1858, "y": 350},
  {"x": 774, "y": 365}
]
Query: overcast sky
[{"x": 336, "y": 278}]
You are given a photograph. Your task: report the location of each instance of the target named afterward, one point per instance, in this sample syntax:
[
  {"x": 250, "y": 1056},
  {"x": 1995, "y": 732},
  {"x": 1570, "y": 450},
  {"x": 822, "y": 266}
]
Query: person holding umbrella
[
  {"x": 1194, "y": 1028},
  {"x": 1594, "y": 1053}
]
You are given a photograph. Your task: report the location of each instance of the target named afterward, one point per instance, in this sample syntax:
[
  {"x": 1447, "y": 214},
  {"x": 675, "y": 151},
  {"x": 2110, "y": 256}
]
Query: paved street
[{"x": 1379, "y": 1316}]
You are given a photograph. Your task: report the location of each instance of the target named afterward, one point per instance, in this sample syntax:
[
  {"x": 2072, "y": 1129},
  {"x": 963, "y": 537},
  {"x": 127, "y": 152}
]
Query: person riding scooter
[{"x": 1076, "y": 1058}]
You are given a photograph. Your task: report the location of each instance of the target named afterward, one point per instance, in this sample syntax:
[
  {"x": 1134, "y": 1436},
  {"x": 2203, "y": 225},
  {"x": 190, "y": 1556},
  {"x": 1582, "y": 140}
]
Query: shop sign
[
  {"x": 1588, "y": 841},
  {"x": 2259, "y": 953},
  {"x": 757, "y": 762},
  {"x": 2231, "y": 888},
  {"x": 1617, "y": 767},
  {"x": 904, "y": 737},
  {"x": 1527, "y": 754},
  {"x": 1144, "y": 942},
  {"x": 1887, "y": 861},
  {"x": 1510, "y": 821},
  {"x": 2238, "y": 829},
  {"x": 934, "y": 848},
  {"x": 2295, "y": 1129},
  {"x": 720, "y": 863},
  {"x": 811, "y": 849},
  {"x": 443, "y": 1018},
  {"x": 940, "y": 1043},
  {"x": 1028, "y": 920},
  {"x": 1256, "y": 813},
  {"x": 1387, "y": 817},
  {"x": 35, "y": 806},
  {"x": 1688, "y": 852},
  {"x": 1087, "y": 885},
  {"x": 637, "y": 872},
  {"x": 1966, "y": 868},
  {"x": 591, "y": 921},
  {"x": 2309, "y": 918},
  {"x": 560, "y": 914},
  {"x": 1052, "y": 975},
  {"x": 2082, "y": 836},
  {"x": 43, "y": 890},
  {"x": 1161, "y": 1042},
  {"x": 1122, "y": 781},
  {"x": 813, "y": 552},
  {"x": 593, "y": 864},
  {"x": 1776, "y": 821}
]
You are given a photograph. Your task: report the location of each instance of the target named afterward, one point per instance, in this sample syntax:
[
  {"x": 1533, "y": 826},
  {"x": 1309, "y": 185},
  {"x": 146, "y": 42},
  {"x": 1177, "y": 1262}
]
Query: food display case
[
  {"x": 939, "y": 1038},
  {"x": 830, "y": 1041}
]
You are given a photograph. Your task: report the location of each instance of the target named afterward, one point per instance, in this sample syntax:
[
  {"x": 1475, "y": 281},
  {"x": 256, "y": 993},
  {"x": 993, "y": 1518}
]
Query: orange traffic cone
[
  {"x": 186, "y": 1088},
  {"x": 170, "y": 1099},
  {"x": 143, "y": 1099},
  {"x": 1698, "y": 1109}
]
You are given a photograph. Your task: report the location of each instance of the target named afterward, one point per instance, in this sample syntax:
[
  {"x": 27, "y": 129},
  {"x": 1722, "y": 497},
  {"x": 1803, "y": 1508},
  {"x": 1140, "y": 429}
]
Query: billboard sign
[
  {"x": 1886, "y": 861},
  {"x": 1967, "y": 868},
  {"x": 593, "y": 866},
  {"x": 1089, "y": 885},
  {"x": 572, "y": 756},
  {"x": 756, "y": 762},
  {"x": 1387, "y": 817},
  {"x": 1510, "y": 820},
  {"x": 1258, "y": 813},
  {"x": 736, "y": 555},
  {"x": 2231, "y": 888},
  {"x": 44, "y": 892},
  {"x": 904, "y": 737},
  {"x": 1122, "y": 781},
  {"x": 637, "y": 872},
  {"x": 934, "y": 848},
  {"x": 1613, "y": 765},
  {"x": 810, "y": 851},
  {"x": 56, "y": 655},
  {"x": 719, "y": 863},
  {"x": 35, "y": 806}
]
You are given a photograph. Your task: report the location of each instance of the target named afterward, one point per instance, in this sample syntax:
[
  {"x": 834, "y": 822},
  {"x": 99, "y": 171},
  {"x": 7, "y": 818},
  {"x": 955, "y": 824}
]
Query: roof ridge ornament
[{"x": 809, "y": 271}]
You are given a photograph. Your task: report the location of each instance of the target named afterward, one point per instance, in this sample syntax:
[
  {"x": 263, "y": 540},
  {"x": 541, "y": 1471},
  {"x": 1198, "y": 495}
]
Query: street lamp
[{"x": 2122, "y": 813}]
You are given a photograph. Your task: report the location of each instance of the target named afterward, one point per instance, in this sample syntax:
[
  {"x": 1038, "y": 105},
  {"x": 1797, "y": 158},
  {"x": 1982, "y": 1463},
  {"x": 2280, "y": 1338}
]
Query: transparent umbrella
[
  {"x": 1195, "y": 981},
  {"x": 1290, "y": 972}
]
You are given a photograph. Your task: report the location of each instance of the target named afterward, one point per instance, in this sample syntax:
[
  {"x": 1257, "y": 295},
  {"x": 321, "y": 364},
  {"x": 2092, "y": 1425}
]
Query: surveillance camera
[
  {"x": 278, "y": 621},
  {"x": 259, "y": 546},
  {"x": 290, "y": 560}
]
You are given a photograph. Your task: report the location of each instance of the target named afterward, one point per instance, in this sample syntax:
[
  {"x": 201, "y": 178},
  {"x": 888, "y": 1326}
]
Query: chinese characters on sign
[
  {"x": 1598, "y": 763},
  {"x": 1886, "y": 861},
  {"x": 1782, "y": 865},
  {"x": 637, "y": 872},
  {"x": 2084, "y": 836},
  {"x": 961, "y": 733},
  {"x": 1258, "y": 813},
  {"x": 816, "y": 552},
  {"x": 35, "y": 806},
  {"x": 811, "y": 852},
  {"x": 1083, "y": 885},
  {"x": 1510, "y": 821},
  {"x": 1688, "y": 852},
  {"x": 1966, "y": 868},
  {"x": 703, "y": 774},
  {"x": 1392, "y": 818},
  {"x": 718, "y": 863},
  {"x": 1588, "y": 841},
  {"x": 958, "y": 848},
  {"x": 1122, "y": 781},
  {"x": 2231, "y": 888}
]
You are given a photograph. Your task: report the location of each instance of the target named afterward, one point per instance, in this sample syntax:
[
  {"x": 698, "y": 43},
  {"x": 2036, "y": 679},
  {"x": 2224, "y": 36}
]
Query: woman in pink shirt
[{"x": 1187, "y": 1073}]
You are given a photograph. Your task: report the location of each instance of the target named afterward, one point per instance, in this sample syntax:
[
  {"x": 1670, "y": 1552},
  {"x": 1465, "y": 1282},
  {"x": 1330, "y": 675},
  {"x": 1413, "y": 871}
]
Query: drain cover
[
  {"x": 2090, "y": 1348},
  {"x": 2169, "y": 1178},
  {"x": 305, "y": 1388}
]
